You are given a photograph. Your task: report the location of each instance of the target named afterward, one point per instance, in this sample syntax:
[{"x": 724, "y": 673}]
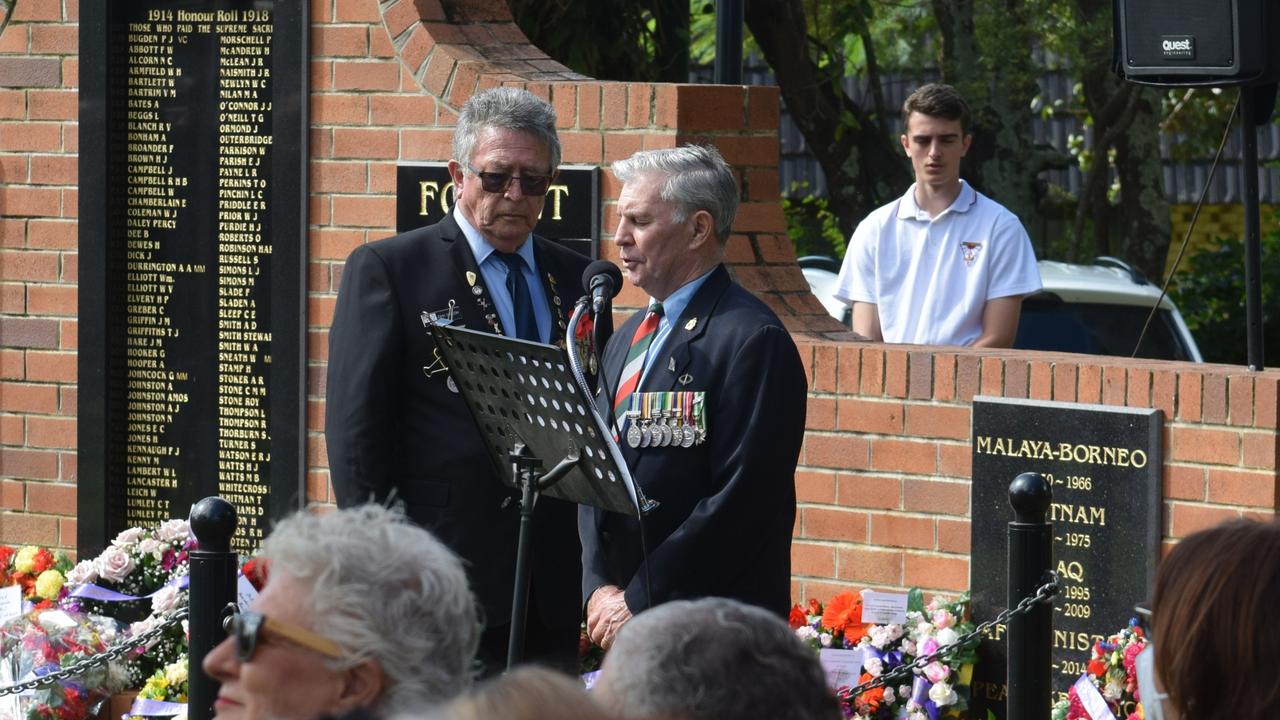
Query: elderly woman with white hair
[{"x": 363, "y": 611}]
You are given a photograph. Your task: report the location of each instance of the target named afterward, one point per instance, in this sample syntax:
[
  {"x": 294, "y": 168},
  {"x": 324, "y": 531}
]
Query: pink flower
[
  {"x": 114, "y": 564},
  {"x": 928, "y": 646},
  {"x": 943, "y": 619},
  {"x": 173, "y": 531},
  {"x": 936, "y": 672}
]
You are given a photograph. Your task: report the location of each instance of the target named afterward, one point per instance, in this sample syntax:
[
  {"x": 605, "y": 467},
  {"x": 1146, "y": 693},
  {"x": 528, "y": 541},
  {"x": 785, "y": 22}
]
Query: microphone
[{"x": 602, "y": 280}]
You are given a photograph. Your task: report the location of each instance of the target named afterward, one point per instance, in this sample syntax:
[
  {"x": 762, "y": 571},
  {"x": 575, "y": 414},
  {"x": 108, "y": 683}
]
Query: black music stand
[{"x": 529, "y": 409}]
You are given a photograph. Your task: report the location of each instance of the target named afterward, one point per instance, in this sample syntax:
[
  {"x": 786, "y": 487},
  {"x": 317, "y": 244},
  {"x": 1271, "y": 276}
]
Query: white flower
[
  {"x": 114, "y": 563},
  {"x": 909, "y": 647},
  {"x": 129, "y": 537},
  {"x": 825, "y": 639},
  {"x": 806, "y": 632},
  {"x": 880, "y": 636},
  {"x": 873, "y": 665},
  {"x": 947, "y": 636},
  {"x": 895, "y": 631},
  {"x": 166, "y": 599},
  {"x": 173, "y": 531},
  {"x": 142, "y": 627},
  {"x": 1114, "y": 688},
  {"x": 889, "y": 697},
  {"x": 152, "y": 547},
  {"x": 176, "y": 674},
  {"x": 942, "y": 694},
  {"x": 84, "y": 572}
]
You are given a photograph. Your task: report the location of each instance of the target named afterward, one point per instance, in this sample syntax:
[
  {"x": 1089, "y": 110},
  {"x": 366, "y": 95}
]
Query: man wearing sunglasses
[
  {"x": 362, "y": 610},
  {"x": 394, "y": 422}
]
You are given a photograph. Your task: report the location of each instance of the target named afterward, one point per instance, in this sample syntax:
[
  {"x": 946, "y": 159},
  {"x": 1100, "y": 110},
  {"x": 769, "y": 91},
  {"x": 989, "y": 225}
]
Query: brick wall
[
  {"x": 884, "y": 477},
  {"x": 38, "y": 145}
]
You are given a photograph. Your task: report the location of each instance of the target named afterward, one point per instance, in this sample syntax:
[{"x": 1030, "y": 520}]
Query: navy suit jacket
[
  {"x": 726, "y": 507},
  {"x": 389, "y": 427}
]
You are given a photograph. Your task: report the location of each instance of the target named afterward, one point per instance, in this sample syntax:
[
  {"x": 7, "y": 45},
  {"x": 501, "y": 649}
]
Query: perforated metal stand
[{"x": 529, "y": 408}]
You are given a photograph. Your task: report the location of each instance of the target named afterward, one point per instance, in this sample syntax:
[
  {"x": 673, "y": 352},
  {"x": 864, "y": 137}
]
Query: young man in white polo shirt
[{"x": 943, "y": 264}]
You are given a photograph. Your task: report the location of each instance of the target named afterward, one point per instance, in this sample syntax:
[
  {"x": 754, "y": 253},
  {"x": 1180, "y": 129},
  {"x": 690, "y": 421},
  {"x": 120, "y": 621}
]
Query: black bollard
[
  {"x": 1030, "y": 560},
  {"x": 213, "y": 585}
]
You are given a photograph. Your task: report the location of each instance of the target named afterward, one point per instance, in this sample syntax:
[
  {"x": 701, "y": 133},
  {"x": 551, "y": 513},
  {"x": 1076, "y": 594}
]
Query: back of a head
[
  {"x": 384, "y": 588},
  {"x": 937, "y": 100},
  {"x": 1217, "y": 642},
  {"x": 526, "y": 693},
  {"x": 713, "y": 659}
]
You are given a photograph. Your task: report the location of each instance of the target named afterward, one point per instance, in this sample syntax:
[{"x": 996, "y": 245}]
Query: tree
[{"x": 643, "y": 40}]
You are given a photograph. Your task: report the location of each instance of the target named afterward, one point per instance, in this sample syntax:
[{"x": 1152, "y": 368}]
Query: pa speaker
[{"x": 1197, "y": 42}]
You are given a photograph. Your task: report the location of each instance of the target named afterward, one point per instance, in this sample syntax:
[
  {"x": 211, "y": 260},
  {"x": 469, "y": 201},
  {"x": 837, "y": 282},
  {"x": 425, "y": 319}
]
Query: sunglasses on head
[
  {"x": 249, "y": 627},
  {"x": 497, "y": 182}
]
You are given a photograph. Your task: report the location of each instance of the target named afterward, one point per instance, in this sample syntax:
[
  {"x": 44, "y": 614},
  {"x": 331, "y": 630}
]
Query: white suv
[{"x": 1097, "y": 309}]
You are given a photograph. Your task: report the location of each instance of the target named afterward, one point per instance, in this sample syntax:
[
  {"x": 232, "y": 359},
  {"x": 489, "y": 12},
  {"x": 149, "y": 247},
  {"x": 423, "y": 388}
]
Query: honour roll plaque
[{"x": 192, "y": 254}]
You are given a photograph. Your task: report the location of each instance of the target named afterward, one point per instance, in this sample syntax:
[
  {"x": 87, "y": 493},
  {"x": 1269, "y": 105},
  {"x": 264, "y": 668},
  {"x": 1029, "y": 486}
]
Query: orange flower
[
  {"x": 868, "y": 702},
  {"x": 843, "y": 610},
  {"x": 797, "y": 617},
  {"x": 43, "y": 560}
]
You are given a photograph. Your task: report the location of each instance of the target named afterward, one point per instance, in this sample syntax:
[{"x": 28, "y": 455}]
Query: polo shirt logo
[{"x": 970, "y": 251}]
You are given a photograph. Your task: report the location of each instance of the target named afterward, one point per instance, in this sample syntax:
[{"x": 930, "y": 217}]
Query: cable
[{"x": 1195, "y": 215}]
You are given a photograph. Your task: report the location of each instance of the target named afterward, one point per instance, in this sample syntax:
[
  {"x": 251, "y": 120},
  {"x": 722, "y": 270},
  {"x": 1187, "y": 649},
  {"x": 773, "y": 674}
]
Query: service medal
[
  {"x": 633, "y": 436},
  {"x": 688, "y": 436}
]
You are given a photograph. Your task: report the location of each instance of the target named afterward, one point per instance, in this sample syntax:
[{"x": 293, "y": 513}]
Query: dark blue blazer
[
  {"x": 727, "y": 507},
  {"x": 390, "y": 427}
]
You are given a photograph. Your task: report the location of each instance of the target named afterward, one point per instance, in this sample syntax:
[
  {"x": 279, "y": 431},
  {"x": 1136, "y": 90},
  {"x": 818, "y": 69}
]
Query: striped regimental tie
[{"x": 634, "y": 367}]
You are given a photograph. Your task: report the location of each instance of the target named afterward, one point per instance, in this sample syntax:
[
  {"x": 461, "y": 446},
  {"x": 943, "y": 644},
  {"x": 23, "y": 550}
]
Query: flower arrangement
[
  {"x": 165, "y": 692},
  {"x": 138, "y": 579},
  {"x": 49, "y": 639},
  {"x": 939, "y": 690},
  {"x": 39, "y": 571},
  {"x": 1110, "y": 669},
  {"x": 168, "y": 683}
]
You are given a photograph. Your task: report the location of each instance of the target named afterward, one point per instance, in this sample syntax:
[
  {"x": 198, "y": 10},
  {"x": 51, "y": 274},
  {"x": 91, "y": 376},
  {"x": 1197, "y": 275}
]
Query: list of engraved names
[{"x": 196, "y": 229}]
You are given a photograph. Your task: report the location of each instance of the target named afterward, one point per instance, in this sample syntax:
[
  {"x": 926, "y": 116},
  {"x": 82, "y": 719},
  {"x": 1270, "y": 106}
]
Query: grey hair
[
  {"x": 698, "y": 178},
  {"x": 510, "y": 109},
  {"x": 385, "y": 589},
  {"x": 710, "y": 659}
]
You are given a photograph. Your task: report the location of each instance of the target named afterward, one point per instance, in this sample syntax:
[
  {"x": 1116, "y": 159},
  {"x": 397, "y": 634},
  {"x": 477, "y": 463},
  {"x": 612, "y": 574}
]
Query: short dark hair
[
  {"x": 937, "y": 100},
  {"x": 1217, "y": 642}
]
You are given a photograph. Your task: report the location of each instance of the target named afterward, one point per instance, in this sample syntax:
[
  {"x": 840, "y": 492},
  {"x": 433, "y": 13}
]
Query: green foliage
[
  {"x": 631, "y": 40},
  {"x": 813, "y": 228},
  {"x": 1210, "y": 295}
]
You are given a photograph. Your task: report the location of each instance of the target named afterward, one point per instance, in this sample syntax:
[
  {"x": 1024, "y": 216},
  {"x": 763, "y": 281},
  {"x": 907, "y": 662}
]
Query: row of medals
[{"x": 648, "y": 432}]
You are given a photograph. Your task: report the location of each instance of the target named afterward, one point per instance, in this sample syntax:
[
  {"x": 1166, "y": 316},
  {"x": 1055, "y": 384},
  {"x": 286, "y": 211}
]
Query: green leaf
[{"x": 915, "y": 600}]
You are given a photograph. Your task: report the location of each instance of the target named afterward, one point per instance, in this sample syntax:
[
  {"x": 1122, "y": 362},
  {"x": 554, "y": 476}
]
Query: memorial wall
[{"x": 192, "y": 314}]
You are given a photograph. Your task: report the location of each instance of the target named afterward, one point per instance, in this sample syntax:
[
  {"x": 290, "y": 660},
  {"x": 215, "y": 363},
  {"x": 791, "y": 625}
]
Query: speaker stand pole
[{"x": 1252, "y": 234}]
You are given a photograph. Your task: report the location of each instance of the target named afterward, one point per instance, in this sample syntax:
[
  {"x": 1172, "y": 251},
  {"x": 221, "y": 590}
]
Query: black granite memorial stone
[
  {"x": 1104, "y": 466},
  {"x": 193, "y": 167},
  {"x": 570, "y": 215}
]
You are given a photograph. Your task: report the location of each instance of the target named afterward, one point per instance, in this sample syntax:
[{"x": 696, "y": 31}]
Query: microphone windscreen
[{"x": 606, "y": 268}]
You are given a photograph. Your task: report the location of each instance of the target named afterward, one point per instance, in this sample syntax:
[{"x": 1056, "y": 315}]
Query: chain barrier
[
  {"x": 1044, "y": 593},
  {"x": 102, "y": 659}
]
